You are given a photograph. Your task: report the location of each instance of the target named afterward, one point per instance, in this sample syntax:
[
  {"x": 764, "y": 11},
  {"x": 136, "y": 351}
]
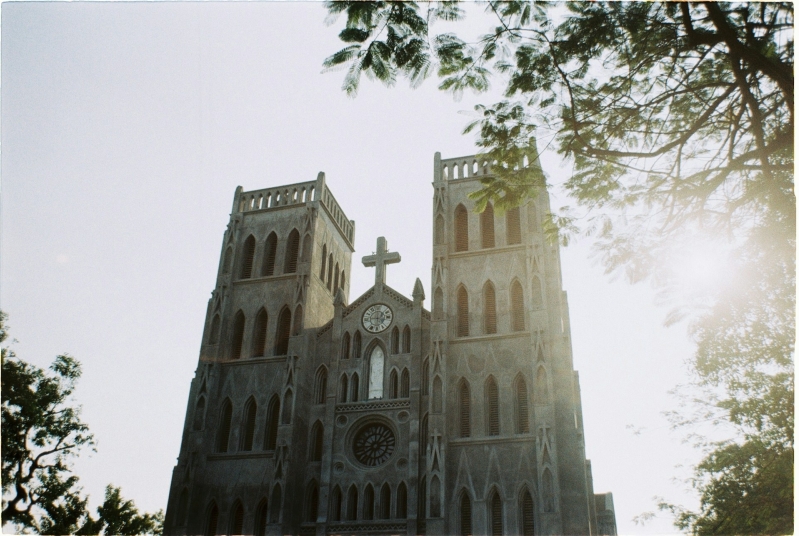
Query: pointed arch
[
  {"x": 541, "y": 390},
  {"x": 335, "y": 504},
  {"x": 495, "y": 514},
  {"x": 227, "y": 261},
  {"x": 463, "y": 312},
  {"x": 288, "y": 403},
  {"x": 247, "y": 256},
  {"x": 345, "y": 346},
  {"x": 437, "y": 395},
  {"x": 283, "y": 332},
  {"x": 527, "y": 513},
  {"x": 330, "y": 272},
  {"x": 435, "y": 496},
  {"x": 237, "y": 518},
  {"x": 261, "y": 517},
  {"x": 199, "y": 414},
  {"x": 355, "y": 388},
  {"x": 343, "y": 281},
  {"x": 356, "y": 345},
  {"x": 423, "y": 433},
  {"x": 492, "y": 406},
  {"x": 548, "y": 491},
  {"x": 213, "y": 337},
  {"x": 376, "y": 371},
  {"x": 465, "y": 514},
  {"x": 406, "y": 340},
  {"x": 343, "y": 387},
  {"x": 385, "y": 501},
  {"x": 421, "y": 507},
  {"x": 277, "y": 504},
  {"x": 405, "y": 384},
  {"x": 464, "y": 409},
  {"x": 395, "y": 340},
  {"x": 320, "y": 385},
  {"x": 537, "y": 299},
  {"x": 248, "y": 424},
  {"x": 298, "y": 320},
  {"x": 461, "y": 228},
  {"x": 426, "y": 377},
  {"x": 238, "y": 335},
  {"x": 368, "y": 502},
  {"x": 335, "y": 278},
  {"x": 259, "y": 333},
  {"x": 522, "y": 410},
  {"x": 223, "y": 432},
  {"x": 438, "y": 234},
  {"x": 317, "y": 442},
  {"x": 270, "y": 254},
  {"x": 352, "y": 503},
  {"x": 212, "y": 519},
  {"x": 183, "y": 503},
  {"x": 323, "y": 270},
  {"x": 489, "y": 308},
  {"x": 272, "y": 423},
  {"x": 402, "y": 502},
  {"x": 292, "y": 252},
  {"x": 307, "y": 246},
  {"x": 438, "y": 304},
  {"x": 513, "y": 226},
  {"x": 516, "y": 306},
  {"x": 312, "y": 502},
  {"x": 393, "y": 384},
  {"x": 487, "y": 226}
]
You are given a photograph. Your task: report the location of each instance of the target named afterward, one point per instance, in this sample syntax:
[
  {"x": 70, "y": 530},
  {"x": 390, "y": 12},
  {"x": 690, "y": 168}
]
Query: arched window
[
  {"x": 183, "y": 503},
  {"x": 354, "y": 388},
  {"x": 376, "y": 364},
  {"x": 406, "y": 340},
  {"x": 487, "y": 226},
  {"x": 345, "y": 346},
  {"x": 495, "y": 514},
  {"x": 238, "y": 336},
  {"x": 317, "y": 441},
  {"x": 405, "y": 384},
  {"x": 356, "y": 345},
  {"x": 227, "y": 261},
  {"x": 522, "y": 413},
  {"x": 343, "y": 281},
  {"x": 237, "y": 519},
  {"x": 199, "y": 413},
  {"x": 435, "y": 497},
  {"x": 466, "y": 514},
  {"x": 270, "y": 253},
  {"x": 465, "y": 409},
  {"x": 283, "y": 332},
  {"x": 438, "y": 304},
  {"x": 330, "y": 272},
  {"x": 528, "y": 514},
  {"x": 541, "y": 391},
  {"x": 352, "y": 503},
  {"x": 513, "y": 226},
  {"x": 385, "y": 502},
  {"x": 259, "y": 334},
  {"x": 213, "y": 520},
  {"x": 261, "y": 517},
  {"x": 292, "y": 252},
  {"x": 516, "y": 307},
  {"x": 423, "y": 433},
  {"x": 392, "y": 384},
  {"x": 342, "y": 388},
  {"x": 421, "y": 508},
  {"x": 437, "y": 395},
  {"x": 297, "y": 320},
  {"x": 537, "y": 298},
  {"x": 247, "y": 256},
  {"x": 335, "y": 278},
  {"x": 368, "y": 502},
  {"x": 320, "y": 386},
  {"x": 223, "y": 433},
  {"x": 214, "y": 336},
  {"x": 277, "y": 502},
  {"x": 426, "y": 377},
  {"x": 439, "y": 230},
  {"x": 335, "y": 504},
  {"x": 272, "y": 422},
  {"x": 489, "y": 308},
  {"x": 395, "y": 340},
  {"x": 312, "y": 502},
  {"x": 402, "y": 501},
  {"x": 288, "y": 402},
  {"x": 492, "y": 406},
  {"x": 548, "y": 494},
  {"x": 461, "y": 229},
  {"x": 463, "y": 312},
  {"x": 324, "y": 263},
  {"x": 307, "y": 244},
  {"x": 248, "y": 428}
]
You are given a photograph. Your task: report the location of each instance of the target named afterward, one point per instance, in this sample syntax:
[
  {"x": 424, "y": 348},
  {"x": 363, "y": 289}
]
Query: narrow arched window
[
  {"x": 489, "y": 308},
  {"x": 247, "y": 256},
  {"x": 238, "y": 336},
  {"x": 324, "y": 263},
  {"x": 438, "y": 304},
  {"x": 465, "y": 409},
  {"x": 522, "y": 412},
  {"x": 516, "y": 307},
  {"x": 421, "y": 507},
  {"x": 335, "y": 278},
  {"x": 312, "y": 502},
  {"x": 183, "y": 503},
  {"x": 342, "y": 388},
  {"x": 439, "y": 230},
  {"x": 288, "y": 403},
  {"x": 376, "y": 364},
  {"x": 259, "y": 334},
  {"x": 541, "y": 391},
  {"x": 248, "y": 427},
  {"x": 423, "y": 433},
  {"x": 345, "y": 346},
  {"x": 402, "y": 501},
  {"x": 435, "y": 497},
  {"x": 548, "y": 494},
  {"x": 330, "y": 272},
  {"x": 277, "y": 502},
  {"x": 261, "y": 517},
  {"x": 317, "y": 440},
  {"x": 426, "y": 377},
  {"x": 537, "y": 299},
  {"x": 352, "y": 503},
  {"x": 395, "y": 340},
  {"x": 213, "y": 520},
  {"x": 406, "y": 340},
  {"x": 495, "y": 515},
  {"x": 356, "y": 345},
  {"x": 270, "y": 253},
  {"x": 513, "y": 226},
  {"x": 437, "y": 395},
  {"x": 354, "y": 388},
  {"x": 461, "y": 229},
  {"x": 385, "y": 502},
  {"x": 199, "y": 413},
  {"x": 214, "y": 336},
  {"x": 320, "y": 386},
  {"x": 292, "y": 252},
  {"x": 392, "y": 384},
  {"x": 492, "y": 403},
  {"x": 335, "y": 504},
  {"x": 463, "y": 312},
  {"x": 227, "y": 261},
  {"x": 272, "y": 422},
  {"x": 528, "y": 514},
  {"x": 223, "y": 433},
  {"x": 237, "y": 519},
  {"x": 343, "y": 281},
  {"x": 307, "y": 245},
  {"x": 369, "y": 502},
  {"x": 487, "y": 226},
  {"x": 405, "y": 384},
  {"x": 297, "y": 320},
  {"x": 283, "y": 332},
  {"x": 466, "y": 514}
]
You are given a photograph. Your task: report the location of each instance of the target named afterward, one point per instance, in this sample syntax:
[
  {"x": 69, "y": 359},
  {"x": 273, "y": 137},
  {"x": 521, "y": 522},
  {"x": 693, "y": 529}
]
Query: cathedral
[{"x": 312, "y": 414}]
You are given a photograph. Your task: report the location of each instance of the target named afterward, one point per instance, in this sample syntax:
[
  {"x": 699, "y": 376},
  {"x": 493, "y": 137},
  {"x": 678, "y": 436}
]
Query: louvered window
[
  {"x": 402, "y": 501},
  {"x": 352, "y": 503},
  {"x": 249, "y": 426},
  {"x": 516, "y": 307},
  {"x": 395, "y": 347},
  {"x": 247, "y": 256},
  {"x": 461, "y": 229},
  {"x": 487, "y": 227},
  {"x": 270, "y": 252},
  {"x": 496, "y": 515},
  {"x": 283, "y": 332},
  {"x": 259, "y": 335},
  {"x": 238, "y": 336},
  {"x": 523, "y": 418},
  {"x": 490, "y": 309},
  {"x": 463, "y": 313},
  {"x": 324, "y": 263},
  {"x": 406, "y": 340},
  {"x": 213, "y": 520},
  {"x": 466, "y": 515},
  {"x": 292, "y": 252},
  {"x": 223, "y": 435},
  {"x": 272, "y": 422},
  {"x": 465, "y": 410},
  {"x": 405, "y": 384},
  {"x": 492, "y": 398},
  {"x": 369, "y": 503},
  {"x": 237, "y": 523},
  {"x": 514, "y": 226},
  {"x": 528, "y": 514}
]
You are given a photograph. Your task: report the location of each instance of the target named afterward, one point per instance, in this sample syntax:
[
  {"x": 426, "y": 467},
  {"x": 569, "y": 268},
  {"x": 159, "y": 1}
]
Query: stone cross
[{"x": 380, "y": 259}]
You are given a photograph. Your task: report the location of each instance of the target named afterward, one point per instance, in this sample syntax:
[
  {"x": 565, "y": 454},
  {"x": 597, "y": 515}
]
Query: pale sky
[{"x": 126, "y": 128}]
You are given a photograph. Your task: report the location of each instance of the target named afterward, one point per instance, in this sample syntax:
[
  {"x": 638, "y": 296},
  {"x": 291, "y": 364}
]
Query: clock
[{"x": 377, "y": 318}]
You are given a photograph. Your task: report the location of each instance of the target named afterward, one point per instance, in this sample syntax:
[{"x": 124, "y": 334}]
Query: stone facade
[{"x": 309, "y": 414}]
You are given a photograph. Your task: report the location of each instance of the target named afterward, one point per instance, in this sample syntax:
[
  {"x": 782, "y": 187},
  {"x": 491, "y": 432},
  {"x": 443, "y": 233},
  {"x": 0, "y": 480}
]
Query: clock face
[{"x": 377, "y": 318}]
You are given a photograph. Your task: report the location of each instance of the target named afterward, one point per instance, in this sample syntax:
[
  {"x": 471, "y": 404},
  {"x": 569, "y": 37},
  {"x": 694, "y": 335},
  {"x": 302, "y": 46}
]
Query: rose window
[{"x": 373, "y": 444}]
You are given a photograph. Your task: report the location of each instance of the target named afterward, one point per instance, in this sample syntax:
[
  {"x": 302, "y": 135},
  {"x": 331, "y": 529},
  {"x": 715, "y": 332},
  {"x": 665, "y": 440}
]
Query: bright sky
[{"x": 125, "y": 131}]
